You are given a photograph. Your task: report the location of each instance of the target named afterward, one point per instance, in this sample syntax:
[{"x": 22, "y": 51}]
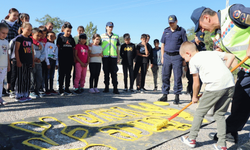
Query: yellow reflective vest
[
  {"x": 109, "y": 45},
  {"x": 232, "y": 38}
]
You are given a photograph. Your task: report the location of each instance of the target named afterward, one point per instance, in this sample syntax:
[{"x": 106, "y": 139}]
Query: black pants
[
  {"x": 64, "y": 72},
  {"x": 110, "y": 67},
  {"x": 13, "y": 75},
  {"x": 127, "y": 68},
  {"x": 240, "y": 110},
  {"x": 23, "y": 80},
  {"x": 94, "y": 69},
  {"x": 44, "y": 72},
  {"x": 9, "y": 74},
  {"x": 49, "y": 78},
  {"x": 143, "y": 67}
]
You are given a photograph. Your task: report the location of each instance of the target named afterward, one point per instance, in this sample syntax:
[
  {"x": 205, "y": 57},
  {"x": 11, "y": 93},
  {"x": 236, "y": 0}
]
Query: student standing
[
  {"x": 25, "y": 61},
  {"x": 82, "y": 61},
  {"x": 66, "y": 45},
  {"x": 95, "y": 54},
  {"x": 156, "y": 65},
  {"x": 110, "y": 47},
  {"x": 128, "y": 53},
  {"x": 51, "y": 61},
  {"x": 142, "y": 60},
  {"x": 4, "y": 58}
]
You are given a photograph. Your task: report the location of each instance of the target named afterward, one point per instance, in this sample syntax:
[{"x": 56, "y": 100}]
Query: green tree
[
  {"x": 56, "y": 21},
  {"x": 90, "y": 30},
  {"x": 207, "y": 39},
  {"x": 121, "y": 39}
]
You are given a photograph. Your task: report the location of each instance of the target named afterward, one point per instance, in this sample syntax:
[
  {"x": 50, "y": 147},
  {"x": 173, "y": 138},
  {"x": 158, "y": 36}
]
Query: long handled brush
[{"x": 165, "y": 121}]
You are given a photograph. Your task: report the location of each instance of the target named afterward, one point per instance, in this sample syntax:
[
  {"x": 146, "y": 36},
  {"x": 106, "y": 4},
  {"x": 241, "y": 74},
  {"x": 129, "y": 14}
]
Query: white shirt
[
  {"x": 51, "y": 51},
  {"x": 95, "y": 50},
  {"x": 212, "y": 70},
  {"x": 4, "y": 46},
  {"x": 10, "y": 23}
]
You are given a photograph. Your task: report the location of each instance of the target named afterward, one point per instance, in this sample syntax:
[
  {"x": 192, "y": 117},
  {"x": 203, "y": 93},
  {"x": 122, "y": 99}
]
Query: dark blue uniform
[
  {"x": 240, "y": 110},
  {"x": 172, "y": 58},
  {"x": 200, "y": 47}
]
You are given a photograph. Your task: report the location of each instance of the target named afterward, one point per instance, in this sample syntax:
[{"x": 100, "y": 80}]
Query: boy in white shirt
[
  {"x": 4, "y": 58},
  {"x": 52, "y": 62},
  {"x": 209, "y": 66}
]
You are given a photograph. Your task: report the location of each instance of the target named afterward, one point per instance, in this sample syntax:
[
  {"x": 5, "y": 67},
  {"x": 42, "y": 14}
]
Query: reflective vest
[
  {"x": 232, "y": 38},
  {"x": 109, "y": 45}
]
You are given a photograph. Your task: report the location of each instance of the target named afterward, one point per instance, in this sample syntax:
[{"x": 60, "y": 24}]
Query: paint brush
[{"x": 164, "y": 123}]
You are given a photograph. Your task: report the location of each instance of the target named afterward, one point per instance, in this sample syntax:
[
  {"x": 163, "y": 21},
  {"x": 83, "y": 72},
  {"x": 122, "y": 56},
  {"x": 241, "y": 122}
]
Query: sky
[{"x": 131, "y": 16}]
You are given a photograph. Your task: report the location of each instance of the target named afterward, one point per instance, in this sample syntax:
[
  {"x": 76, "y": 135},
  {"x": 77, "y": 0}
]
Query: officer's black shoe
[
  {"x": 106, "y": 90},
  {"x": 164, "y": 98},
  {"x": 176, "y": 100},
  {"x": 230, "y": 137},
  {"x": 245, "y": 146},
  {"x": 115, "y": 91}
]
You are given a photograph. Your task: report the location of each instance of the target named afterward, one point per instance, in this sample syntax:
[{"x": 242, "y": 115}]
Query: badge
[
  {"x": 236, "y": 14},
  {"x": 243, "y": 17},
  {"x": 201, "y": 37},
  {"x": 170, "y": 18},
  {"x": 247, "y": 20}
]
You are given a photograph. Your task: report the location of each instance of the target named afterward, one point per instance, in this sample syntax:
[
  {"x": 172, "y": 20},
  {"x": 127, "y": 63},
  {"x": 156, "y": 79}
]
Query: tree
[
  {"x": 90, "y": 30},
  {"x": 207, "y": 39},
  {"x": 121, "y": 39},
  {"x": 56, "y": 21}
]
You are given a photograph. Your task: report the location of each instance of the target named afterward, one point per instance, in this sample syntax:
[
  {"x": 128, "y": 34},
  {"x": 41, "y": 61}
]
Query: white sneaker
[{"x": 187, "y": 141}]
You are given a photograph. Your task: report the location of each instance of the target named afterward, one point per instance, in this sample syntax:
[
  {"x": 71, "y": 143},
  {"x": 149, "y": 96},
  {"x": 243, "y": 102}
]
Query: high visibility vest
[
  {"x": 109, "y": 45},
  {"x": 232, "y": 38}
]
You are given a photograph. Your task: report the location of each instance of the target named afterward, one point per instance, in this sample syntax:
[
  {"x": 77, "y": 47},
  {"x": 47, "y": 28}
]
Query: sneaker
[
  {"x": 155, "y": 89},
  {"x": 187, "y": 141},
  {"x": 68, "y": 92},
  {"x": 21, "y": 100},
  {"x": 142, "y": 91},
  {"x": 77, "y": 91},
  {"x": 12, "y": 94},
  {"x": 216, "y": 147},
  {"x": 138, "y": 90},
  {"x": 2, "y": 102},
  {"x": 61, "y": 92},
  {"x": 106, "y": 90},
  {"x": 41, "y": 95},
  {"x": 33, "y": 95},
  {"x": 125, "y": 90},
  {"x": 53, "y": 92},
  {"x": 92, "y": 91},
  {"x": 164, "y": 98},
  {"x": 96, "y": 90},
  {"x": 82, "y": 90},
  {"x": 47, "y": 93},
  {"x": 115, "y": 91},
  {"x": 4, "y": 93},
  {"x": 28, "y": 98},
  {"x": 131, "y": 90}
]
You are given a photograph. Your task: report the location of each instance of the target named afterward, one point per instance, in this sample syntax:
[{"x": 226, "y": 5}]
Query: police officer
[
  {"x": 110, "y": 47},
  {"x": 172, "y": 38},
  {"x": 230, "y": 30},
  {"x": 198, "y": 41}
]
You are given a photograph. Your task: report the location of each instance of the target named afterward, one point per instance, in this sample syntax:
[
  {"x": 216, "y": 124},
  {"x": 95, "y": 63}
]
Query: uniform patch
[
  {"x": 236, "y": 14},
  {"x": 170, "y": 18},
  {"x": 201, "y": 37},
  {"x": 247, "y": 20},
  {"x": 243, "y": 17}
]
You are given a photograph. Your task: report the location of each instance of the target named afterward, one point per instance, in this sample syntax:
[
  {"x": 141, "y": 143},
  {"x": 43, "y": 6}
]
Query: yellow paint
[
  {"x": 151, "y": 116},
  {"x": 44, "y": 138},
  {"x": 92, "y": 145},
  {"x": 161, "y": 103}
]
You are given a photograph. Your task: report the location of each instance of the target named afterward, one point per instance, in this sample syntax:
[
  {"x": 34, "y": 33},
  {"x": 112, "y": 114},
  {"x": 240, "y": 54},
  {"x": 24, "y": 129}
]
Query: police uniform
[
  {"x": 233, "y": 37},
  {"x": 172, "y": 59},
  {"x": 110, "y": 44},
  {"x": 201, "y": 47}
]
